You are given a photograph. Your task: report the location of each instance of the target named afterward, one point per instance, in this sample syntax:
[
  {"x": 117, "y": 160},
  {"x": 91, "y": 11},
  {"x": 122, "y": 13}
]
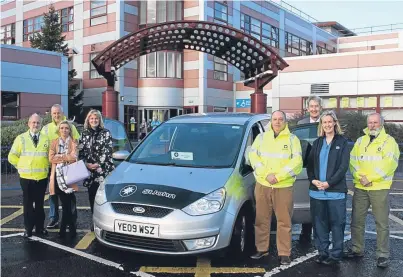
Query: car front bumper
[{"x": 175, "y": 231}]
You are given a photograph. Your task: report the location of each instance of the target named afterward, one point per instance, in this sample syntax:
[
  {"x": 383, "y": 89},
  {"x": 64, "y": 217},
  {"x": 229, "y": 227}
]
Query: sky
[{"x": 352, "y": 13}]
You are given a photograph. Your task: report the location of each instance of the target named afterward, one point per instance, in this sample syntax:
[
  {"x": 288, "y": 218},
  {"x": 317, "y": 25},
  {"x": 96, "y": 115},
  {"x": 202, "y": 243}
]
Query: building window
[
  {"x": 297, "y": 45},
  {"x": 220, "y": 69},
  {"x": 98, "y": 12},
  {"x": 66, "y": 19},
  {"x": 32, "y": 26},
  {"x": 220, "y": 109},
  {"x": 162, "y": 64},
  {"x": 93, "y": 72},
  {"x": 152, "y": 12},
  {"x": 262, "y": 31},
  {"x": 8, "y": 34},
  {"x": 220, "y": 13},
  {"x": 10, "y": 105},
  {"x": 328, "y": 49}
]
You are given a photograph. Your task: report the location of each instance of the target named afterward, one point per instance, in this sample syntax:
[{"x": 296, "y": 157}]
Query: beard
[{"x": 375, "y": 132}]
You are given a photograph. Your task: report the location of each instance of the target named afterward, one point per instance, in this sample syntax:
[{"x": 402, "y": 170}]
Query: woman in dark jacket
[
  {"x": 96, "y": 150},
  {"x": 327, "y": 167}
]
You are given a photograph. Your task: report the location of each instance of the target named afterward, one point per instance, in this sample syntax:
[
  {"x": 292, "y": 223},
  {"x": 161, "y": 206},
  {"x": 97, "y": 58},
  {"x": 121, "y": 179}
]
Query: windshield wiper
[{"x": 180, "y": 165}]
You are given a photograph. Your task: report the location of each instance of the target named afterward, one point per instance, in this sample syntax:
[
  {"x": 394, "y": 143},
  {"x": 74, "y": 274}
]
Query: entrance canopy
[{"x": 243, "y": 51}]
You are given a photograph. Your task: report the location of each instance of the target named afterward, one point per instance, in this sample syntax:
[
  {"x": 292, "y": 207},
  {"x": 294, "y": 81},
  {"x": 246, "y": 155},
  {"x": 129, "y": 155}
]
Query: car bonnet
[{"x": 170, "y": 186}]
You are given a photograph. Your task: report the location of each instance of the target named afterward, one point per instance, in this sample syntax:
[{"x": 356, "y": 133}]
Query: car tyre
[{"x": 242, "y": 235}]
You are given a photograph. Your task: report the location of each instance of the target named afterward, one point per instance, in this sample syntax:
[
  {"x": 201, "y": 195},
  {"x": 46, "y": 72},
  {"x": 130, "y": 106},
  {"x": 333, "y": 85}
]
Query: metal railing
[
  {"x": 293, "y": 10},
  {"x": 378, "y": 29}
]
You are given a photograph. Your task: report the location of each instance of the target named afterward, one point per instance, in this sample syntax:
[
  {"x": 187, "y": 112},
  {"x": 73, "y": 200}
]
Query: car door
[
  {"x": 245, "y": 168},
  {"x": 307, "y": 133}
]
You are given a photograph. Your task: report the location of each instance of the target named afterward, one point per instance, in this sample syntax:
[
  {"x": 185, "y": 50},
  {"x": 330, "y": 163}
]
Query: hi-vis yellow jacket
[
  {"x": 280, "y": 156},
  {"x": 51, "y": 131},
  {"x": 31, "y": 162},
  {"x": 377, "y": 160}
]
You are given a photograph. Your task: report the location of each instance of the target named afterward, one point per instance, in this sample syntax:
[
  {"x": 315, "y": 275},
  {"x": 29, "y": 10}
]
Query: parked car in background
[
  {"x": 120, "y": 140},
  {"x": 187, "y": 188}
]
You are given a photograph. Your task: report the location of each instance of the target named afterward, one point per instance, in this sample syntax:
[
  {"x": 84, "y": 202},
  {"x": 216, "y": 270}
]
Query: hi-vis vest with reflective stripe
[
  {"x": 50, "y": 130},
  {"x": 281, "y": 156},
  {"x": 377, "y": 160},
  {"x": 31, "y": 162}
]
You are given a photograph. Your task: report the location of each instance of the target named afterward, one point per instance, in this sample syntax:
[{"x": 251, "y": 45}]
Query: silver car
[{"x": 187, "y": 188}]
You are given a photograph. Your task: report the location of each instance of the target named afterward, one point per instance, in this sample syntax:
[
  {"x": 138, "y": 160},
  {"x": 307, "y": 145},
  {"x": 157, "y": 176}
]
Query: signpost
[{"x": 243, "y": 103}]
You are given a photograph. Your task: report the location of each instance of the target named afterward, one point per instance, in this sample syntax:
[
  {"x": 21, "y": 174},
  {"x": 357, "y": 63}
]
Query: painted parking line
[
  {"x": 86, "y": 241},
  {"x": 396, "y": 219},
  {"x": 46, "y": 207},
  {"x": 78, "y": 252},
  {"x": 12, "y": 235},
  {"x": 11, "y": 216},
  {"x": 297, "y": 261},
  {"x": 396, "y": 193},
  {"x": 49, "y": 230},
  {"x": 392, "y": 236}
]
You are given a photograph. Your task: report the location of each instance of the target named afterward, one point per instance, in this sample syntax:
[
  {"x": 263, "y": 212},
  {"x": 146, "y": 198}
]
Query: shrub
[{"x": 10, "y": 131}]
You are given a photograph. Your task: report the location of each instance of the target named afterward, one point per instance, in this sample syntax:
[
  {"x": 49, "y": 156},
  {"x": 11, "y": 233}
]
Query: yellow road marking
[
  {"x": 174, "y": 270},
  {"x": 203, "y": 267},
  {"x": 86, "y": 241},
  {"x": 12, "y": 216}
]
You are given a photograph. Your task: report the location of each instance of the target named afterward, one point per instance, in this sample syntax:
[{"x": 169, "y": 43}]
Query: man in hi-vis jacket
[{"x": 276, "y": 158}]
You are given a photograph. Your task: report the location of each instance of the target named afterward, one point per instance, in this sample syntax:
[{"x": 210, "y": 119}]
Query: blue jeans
[
  {"x": 54, "y": 207},
  {"x": 329, "y": 216}
]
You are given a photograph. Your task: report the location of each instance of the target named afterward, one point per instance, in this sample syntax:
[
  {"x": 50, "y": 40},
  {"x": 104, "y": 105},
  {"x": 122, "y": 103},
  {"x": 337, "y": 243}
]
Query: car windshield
[{"x": 191, "y": 145}]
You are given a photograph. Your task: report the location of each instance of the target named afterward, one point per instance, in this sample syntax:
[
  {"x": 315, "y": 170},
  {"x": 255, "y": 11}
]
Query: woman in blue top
[{"x": 327, "y": 166}]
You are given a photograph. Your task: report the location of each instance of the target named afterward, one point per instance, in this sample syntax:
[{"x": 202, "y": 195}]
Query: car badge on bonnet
[
  {"x": 128, "y": 190},
  {"x": 139, "y": 210}
]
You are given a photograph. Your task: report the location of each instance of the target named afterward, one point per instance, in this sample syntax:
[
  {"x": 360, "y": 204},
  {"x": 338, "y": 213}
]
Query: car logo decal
[
  {"x": 128, "y": 190},
  {"x": 139, "y": 210}
]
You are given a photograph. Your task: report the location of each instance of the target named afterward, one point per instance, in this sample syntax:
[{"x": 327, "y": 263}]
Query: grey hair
[
  {"x": 35, "y": 114},
  {"x": 283, "y": 113},
  {"x": 380, "y": 117},
  {"x": 314, "y": 98},
  {"x": 57, "y": 106}
]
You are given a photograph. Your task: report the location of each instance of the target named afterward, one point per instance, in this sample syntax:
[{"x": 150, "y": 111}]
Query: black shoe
[
  {"x": 42, "y": 232},
  {"x": 320, "y": 259},
  {"x": 348, "y": 253},
  {"x": 259, "y": 255},
  {"x": 382, "y": 262},
  {"x": 27, "y": 234},
  {"x": 285, "y": 260},
  {"x": 330, "y": 261},
  {"x": 53, "y": 224}
]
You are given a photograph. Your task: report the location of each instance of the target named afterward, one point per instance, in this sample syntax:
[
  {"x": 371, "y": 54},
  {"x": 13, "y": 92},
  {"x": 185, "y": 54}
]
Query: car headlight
[
  {"x": 100, "y": 197},
  {"x": 209, "y": 204}
]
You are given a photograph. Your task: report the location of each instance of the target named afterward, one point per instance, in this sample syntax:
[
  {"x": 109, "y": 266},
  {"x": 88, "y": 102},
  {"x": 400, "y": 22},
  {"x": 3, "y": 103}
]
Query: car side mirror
[
  {"x": 120, "y": 155},
  {"x": 306, "y": 149}
]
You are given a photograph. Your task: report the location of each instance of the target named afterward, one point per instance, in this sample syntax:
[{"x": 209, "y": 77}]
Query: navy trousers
[{"x": 329, "y": 216}]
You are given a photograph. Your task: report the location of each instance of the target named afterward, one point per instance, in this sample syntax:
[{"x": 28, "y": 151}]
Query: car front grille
[
  {"x": 150, "y": 211},
  {"x": 154, "y": 244}
]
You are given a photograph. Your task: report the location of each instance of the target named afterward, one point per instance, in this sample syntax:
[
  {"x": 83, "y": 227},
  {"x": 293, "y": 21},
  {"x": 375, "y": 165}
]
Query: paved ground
[{"x": 84, "y": 256}]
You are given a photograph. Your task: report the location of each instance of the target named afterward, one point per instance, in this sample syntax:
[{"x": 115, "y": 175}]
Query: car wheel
[{"x": 242, "y": 235}]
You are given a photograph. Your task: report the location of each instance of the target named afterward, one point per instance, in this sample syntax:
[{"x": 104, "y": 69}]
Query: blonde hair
[
  {"x": 337, "y": 127},
  {"x": 65, "y": 122},
  {"x": 87, "y": 119}
]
